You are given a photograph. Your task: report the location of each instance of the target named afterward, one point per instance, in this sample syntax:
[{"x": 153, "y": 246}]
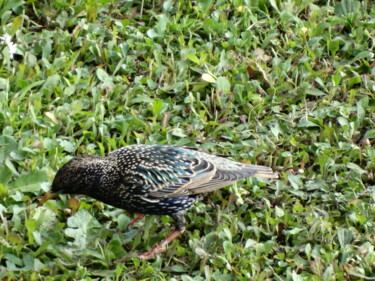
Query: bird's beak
[{"x": 47, "y": 196}]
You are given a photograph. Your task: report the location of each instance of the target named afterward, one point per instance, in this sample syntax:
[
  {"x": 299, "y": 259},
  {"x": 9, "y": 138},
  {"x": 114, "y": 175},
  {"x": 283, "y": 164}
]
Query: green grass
[{"x": 288, "y": 84}]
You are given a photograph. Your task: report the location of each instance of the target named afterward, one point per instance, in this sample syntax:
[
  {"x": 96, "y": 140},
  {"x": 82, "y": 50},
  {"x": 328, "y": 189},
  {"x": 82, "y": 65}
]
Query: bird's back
[{"x": 171, "y": 171}]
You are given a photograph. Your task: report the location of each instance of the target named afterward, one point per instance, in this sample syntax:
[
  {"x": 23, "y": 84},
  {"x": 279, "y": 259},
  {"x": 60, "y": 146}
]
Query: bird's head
[{"x": 81, "y": 175}]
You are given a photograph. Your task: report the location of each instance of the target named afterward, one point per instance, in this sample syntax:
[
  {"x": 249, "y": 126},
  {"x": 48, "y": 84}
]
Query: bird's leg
[
  {"x": 138, "y": 217},
  {"x": 180, "y": 228},
  {"x": 160, "y": 248}
]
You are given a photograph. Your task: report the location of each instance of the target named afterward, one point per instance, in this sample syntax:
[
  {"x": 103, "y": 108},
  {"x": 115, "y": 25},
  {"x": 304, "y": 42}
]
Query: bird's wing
[
  {"x": 228, "y": 172},
  {"x": 169, "y": 171},
  {"x": 164, "y": 171}
]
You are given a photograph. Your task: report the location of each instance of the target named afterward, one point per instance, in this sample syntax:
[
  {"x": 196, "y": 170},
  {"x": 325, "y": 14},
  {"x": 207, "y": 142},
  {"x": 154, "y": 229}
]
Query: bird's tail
[{"x": 258, "y": 171}]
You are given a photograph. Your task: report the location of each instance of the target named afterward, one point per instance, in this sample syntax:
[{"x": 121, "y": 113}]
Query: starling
[{"x": 152, "y": 179}]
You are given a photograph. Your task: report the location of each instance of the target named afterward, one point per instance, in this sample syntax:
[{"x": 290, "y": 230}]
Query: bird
[{"x": 152, "y": 180}]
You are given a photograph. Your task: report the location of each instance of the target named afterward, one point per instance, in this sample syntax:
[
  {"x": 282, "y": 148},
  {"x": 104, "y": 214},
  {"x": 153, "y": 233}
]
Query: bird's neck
[{"x": 97, "y": 173}]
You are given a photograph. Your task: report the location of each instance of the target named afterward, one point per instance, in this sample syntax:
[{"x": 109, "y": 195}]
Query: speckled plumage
[{"x": 152, "y": 179}]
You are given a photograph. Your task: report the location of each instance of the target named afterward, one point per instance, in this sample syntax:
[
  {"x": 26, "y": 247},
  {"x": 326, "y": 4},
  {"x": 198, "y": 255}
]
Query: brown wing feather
[{"x": 209, "y": 172}]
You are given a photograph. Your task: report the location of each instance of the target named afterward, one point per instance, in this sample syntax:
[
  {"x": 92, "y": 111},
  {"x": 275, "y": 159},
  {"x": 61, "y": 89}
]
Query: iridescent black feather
[{"x": 152, "y": 179}]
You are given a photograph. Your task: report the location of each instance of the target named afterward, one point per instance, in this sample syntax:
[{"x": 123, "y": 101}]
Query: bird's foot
[
  {"x": 137, "y": 218},
  {"x": 160, "y": 248}
]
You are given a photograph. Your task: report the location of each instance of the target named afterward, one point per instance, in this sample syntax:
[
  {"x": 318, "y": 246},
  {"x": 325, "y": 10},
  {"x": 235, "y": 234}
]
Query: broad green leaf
[
  {"x": 345, "y": 237},
  {"x": 67, "y": 145},
  {"x": 307, "y": 124},
  {"x": 123, "y": 221},
  {"x": 5, "y": 174},
  {"x": 157, "y": 106},
  {"x": 116, "y": 248},
  {"x": 13, "y": 258},
  {"x": 295, "y": 181},
  {"x": 328, "y": 274},
  {"x": 362, "y": 55},
  {"x": 208, "y": 78},
  {"x": 294, "y": 231},
  {"x": 228, "y": 247},
  {"x": 3, "y": 191},
  {"x": 16, "y": 24},
  {"x": 31, "y": 227},
  {"x": 356, "y": 168},
  {"x": 162, "y": 24},
  {"x": 102, "y": 75},
  {"x": 7, "y": 145},
  {"x": 46, "y": 52},
  {"x": 276, "y": 130},
  {"x": 370, "y": 134},
  {"x": 193, "y": 58},
  {"x": 346, "y": 7},
  {"x": 354, "y": 80},
  {"x": 279, "y": 211},
  {"x": 82, "y": 228},
  {"x": 205, "y": 5},
  {"x": 178, "y": 132},
  {"x": 223, "y": 84},
  {"x": 141, "y": 99},
  {"x": 29, "y": 87},
  {"x": 8, "y": 5},
  {"x": 152, "y": 33},
  {"x": 51, "y": 116},
  {"x": 30, "y": 182},
  {"x": 315, "y": 92},
  {"x": 297, "y": 207},
  {"x": 179, "y": 268}
]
